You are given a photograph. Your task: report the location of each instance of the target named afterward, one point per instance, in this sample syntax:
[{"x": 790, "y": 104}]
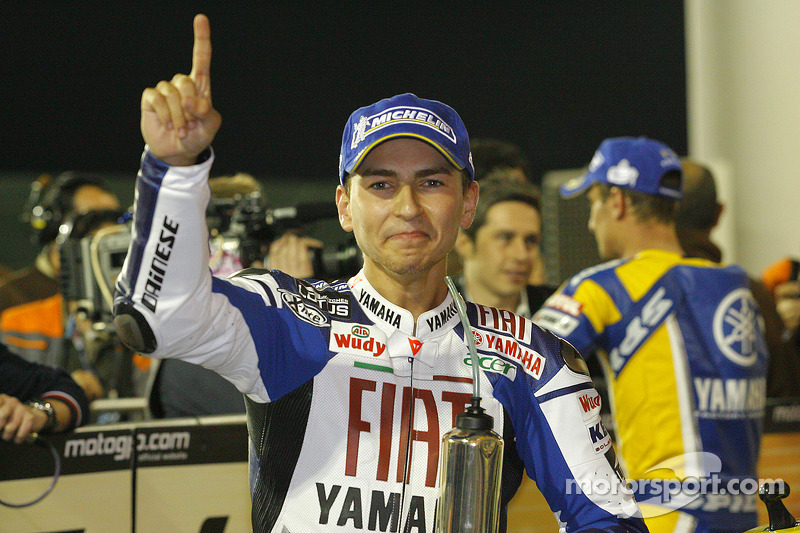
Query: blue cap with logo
[
  {"x": 405, "y": 115},
  {"x": 636, "y": 163}
]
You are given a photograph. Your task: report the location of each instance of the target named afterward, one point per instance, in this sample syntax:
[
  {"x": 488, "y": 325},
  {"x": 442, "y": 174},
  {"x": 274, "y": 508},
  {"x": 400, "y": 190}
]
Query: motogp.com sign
[{"x": 707, "y": 492}]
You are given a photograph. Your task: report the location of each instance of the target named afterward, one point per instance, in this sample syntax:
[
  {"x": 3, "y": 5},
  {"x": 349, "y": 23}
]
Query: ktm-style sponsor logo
[{"x": 600, "y": 438}]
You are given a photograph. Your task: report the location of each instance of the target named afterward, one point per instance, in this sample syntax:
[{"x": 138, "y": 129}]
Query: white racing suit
[{"x": 348, "y": 398}]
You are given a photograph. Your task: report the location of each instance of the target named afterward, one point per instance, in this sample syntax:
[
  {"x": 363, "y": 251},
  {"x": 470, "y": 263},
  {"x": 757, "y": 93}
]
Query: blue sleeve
[
  {"x": 290, "y": 351},
  {"x": 561, "y": 440},
  {"x": 27, "y": 381}
]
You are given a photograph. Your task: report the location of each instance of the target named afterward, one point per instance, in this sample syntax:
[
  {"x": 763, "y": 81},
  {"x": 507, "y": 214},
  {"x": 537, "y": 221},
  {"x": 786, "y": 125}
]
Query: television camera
[{"x": 247, "y": 225}]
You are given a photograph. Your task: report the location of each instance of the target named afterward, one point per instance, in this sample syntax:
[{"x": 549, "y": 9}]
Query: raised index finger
[{"x": 201, "y": 56}]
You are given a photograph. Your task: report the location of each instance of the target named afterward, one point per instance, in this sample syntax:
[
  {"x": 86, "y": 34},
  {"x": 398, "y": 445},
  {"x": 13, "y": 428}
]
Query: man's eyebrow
[
  {"x": 434, "y": 171},
  {"x": 422, "y": 173},
  {"x": 385, "y": 172}
]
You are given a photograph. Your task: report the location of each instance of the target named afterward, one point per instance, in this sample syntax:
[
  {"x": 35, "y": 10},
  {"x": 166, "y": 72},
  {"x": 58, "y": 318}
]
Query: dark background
[{"x": 553, "y": 77}]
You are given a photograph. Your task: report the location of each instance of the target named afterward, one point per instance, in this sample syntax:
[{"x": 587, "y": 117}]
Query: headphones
[{"x": 49, "y": 204}]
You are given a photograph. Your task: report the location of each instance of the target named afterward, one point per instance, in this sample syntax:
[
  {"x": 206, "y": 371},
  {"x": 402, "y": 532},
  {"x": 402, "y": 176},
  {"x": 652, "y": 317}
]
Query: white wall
[{"x": 743, "y": 90}]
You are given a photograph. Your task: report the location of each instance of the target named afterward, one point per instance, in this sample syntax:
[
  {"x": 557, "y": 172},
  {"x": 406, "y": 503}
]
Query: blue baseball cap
[
  {"x": 636, "y": 163},
  {"x": 405, "y": 115}
]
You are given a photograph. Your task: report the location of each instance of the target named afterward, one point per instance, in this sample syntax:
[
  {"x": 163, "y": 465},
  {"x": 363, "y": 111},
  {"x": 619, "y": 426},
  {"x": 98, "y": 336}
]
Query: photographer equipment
[
  {"x": 471, "y": 458},
  {"x": 50, "y": 202},
  {"x": 90, "y": 263},
  {"x": 93, "y": 247},
  {"x": 248, "y": 226}
]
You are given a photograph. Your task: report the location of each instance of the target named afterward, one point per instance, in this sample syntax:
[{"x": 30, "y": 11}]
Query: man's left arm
[{"x": 567, "y": 450}]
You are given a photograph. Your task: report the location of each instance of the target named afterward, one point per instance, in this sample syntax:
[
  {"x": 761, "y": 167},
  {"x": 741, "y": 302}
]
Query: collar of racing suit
[{"x": 397, "y": 323}]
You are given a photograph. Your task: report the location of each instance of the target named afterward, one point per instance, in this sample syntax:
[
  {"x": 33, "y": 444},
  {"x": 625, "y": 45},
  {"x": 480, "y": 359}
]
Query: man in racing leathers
[
  {"x": 350, "y": 386},
  {"x": 680, "y": 341}
]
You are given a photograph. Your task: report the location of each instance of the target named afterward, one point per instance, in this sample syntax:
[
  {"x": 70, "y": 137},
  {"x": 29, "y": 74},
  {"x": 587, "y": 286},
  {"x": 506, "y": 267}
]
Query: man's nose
[
  {"x": 407, "y": 203},
  {"x": 520, "y": 250}
]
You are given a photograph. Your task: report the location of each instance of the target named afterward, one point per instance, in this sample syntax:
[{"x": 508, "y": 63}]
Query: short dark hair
[
  {"x": 647, "y": 206},
  {"x": 490, "y": 154},
  {"x": 699, "y": 207},
  {"x": 494, "y": 190}
]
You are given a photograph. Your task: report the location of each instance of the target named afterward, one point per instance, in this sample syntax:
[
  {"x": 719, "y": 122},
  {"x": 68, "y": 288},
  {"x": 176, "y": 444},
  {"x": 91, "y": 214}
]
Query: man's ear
[
  {"x": 619, "y": 203},
  {"x": 464, "y": 245},
  {"x": 720, "y": 209},
  {"x": 470, "y": 203},
  {"x": 343, "y": 208}
]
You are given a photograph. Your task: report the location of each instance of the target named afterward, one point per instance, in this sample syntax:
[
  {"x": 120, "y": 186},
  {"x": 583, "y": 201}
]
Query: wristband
[{"x": 47, "y": 408}]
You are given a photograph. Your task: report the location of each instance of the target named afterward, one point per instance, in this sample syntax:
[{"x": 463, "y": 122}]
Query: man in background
[
  {"x": 680, "y": 341},
  {"x": 498, "y": 252},
  {"x": 502, "y": 246},
  {"x": 498, "y": 159},
  {"x": 698, "y": 214},
  {"x": 31, "y": 306},
  {"x": 37, "y": 399},
  {"x": 493, "y": 156}
]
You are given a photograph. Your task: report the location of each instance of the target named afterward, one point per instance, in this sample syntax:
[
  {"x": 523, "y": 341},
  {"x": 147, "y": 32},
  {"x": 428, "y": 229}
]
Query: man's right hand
[
  {"x": 178, "y": 118},
  {"x": 17, "y": 420},
  {"x": 291, "y": 254}
]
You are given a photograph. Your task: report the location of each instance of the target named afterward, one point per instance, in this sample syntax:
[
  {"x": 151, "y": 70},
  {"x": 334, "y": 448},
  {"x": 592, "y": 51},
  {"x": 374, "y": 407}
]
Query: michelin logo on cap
[
  {"x": 405, "y": 115},
  {"x": 368, "y": 125}
]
